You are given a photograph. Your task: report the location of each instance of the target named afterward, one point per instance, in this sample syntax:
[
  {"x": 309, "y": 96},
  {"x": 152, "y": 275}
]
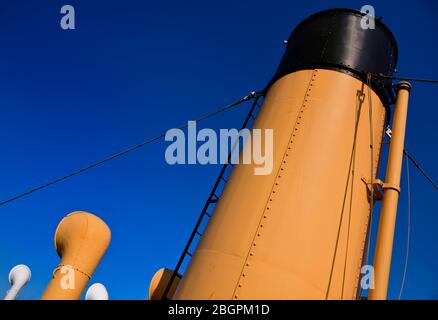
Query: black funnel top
[{"x": 334, "y": 39}]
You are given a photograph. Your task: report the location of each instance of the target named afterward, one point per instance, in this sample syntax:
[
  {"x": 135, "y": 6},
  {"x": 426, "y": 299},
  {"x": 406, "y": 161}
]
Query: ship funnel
[
  {"x": 97, "y": 291},
  {"x": 301, "y": 231},
  {"x": 18, "y": 277},
  {"x": 81, "y": 240}
]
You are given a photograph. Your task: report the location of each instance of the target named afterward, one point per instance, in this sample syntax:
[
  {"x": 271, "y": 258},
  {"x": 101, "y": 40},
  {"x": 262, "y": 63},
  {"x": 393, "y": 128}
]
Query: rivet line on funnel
[{"x": 265, "y": 215}]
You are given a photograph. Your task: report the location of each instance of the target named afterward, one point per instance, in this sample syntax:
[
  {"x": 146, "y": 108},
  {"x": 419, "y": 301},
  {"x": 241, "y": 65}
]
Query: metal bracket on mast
[{"x": 379, "y": 187}]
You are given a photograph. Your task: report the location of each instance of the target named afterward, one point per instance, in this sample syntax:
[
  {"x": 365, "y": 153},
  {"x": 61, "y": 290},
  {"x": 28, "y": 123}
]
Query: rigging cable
[
  {"x": 371, "y": 199},
  {"x": 356, "y": 129},
  {"x": 408, "y": 240},
  {"x": 434, "y": 81},
  {"x": 357, "y": 114},
  {"x": 415, "y": 163},
  {"x": 248, "y": 97},
  {"x": 380, "y": 75},
  {"x": 424, "y": 173}
]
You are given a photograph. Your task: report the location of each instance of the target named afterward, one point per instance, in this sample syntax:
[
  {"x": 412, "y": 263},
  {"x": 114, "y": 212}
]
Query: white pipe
[
  {"x": 18, "y": 277},
  {"x": 97, "y": 291}
]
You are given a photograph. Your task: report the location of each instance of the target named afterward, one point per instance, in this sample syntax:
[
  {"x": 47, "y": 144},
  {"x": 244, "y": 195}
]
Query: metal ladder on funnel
[{"x": 212, "y": 199}]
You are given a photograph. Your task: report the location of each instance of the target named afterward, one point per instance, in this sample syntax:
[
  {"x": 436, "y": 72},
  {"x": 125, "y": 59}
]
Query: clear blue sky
[{"x": 132, "y": 69}]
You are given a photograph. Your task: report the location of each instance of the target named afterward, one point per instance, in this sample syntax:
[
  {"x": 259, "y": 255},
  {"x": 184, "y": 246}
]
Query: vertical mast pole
[{"x": 385, "y": 234}]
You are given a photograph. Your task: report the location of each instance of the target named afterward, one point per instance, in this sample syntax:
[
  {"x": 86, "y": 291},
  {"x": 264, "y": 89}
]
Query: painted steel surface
[
  {"x": 388, "y": 213},
  {"x": 275, "y": 236},
  {"x": 81, "y": 240}
]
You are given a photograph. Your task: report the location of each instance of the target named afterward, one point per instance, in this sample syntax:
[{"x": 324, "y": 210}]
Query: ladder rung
[
  {"x": 188, "y": 253},
  {"x": 198, "y": 233}
]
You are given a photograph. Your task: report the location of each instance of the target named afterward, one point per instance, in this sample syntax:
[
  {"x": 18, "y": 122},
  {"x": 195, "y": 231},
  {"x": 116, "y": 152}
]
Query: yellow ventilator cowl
[
  {"x": 159, "y": 283},
  {"x": 81, "y": 240}
]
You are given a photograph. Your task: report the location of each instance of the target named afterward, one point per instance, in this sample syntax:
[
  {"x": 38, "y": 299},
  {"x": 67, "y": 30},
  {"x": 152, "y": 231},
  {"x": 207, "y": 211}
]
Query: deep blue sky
[{"x": 132, "y": 69}]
